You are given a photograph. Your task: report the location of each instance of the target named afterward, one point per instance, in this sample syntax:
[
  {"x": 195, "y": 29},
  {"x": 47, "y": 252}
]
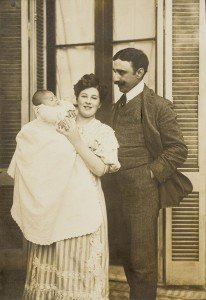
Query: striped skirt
[{"x": 76, "y": 268}]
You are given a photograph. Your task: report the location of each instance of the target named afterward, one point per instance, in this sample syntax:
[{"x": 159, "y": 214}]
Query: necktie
[{"x": 123, "y": 100}]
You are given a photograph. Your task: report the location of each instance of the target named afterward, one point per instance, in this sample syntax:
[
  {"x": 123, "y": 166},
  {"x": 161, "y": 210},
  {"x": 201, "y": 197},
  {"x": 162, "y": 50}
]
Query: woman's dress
[{"x": 76, "y": 268}]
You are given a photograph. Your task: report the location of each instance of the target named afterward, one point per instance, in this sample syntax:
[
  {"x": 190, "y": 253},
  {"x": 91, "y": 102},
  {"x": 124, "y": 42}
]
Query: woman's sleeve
[{"x": 106, "y": 147}]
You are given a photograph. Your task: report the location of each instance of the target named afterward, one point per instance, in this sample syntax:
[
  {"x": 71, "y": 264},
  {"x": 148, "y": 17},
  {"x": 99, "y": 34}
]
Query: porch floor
[
  {"x": 11, "y": 287},
  {"x": 120, "y": 291}
]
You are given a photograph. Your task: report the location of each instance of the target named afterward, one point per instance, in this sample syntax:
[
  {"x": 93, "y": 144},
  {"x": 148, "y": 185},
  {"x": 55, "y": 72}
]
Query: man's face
[{"x": 124, "y": 75}]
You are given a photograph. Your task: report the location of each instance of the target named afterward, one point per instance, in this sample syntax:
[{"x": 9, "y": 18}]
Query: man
[{"x": 151, "y": 148}]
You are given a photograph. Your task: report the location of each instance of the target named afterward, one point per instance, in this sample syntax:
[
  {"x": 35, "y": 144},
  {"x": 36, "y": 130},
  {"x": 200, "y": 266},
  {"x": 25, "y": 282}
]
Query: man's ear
[{"x": 140, "y": 73}]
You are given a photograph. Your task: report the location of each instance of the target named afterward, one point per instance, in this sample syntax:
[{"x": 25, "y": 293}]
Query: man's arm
[{"x": 174, "y": 148}]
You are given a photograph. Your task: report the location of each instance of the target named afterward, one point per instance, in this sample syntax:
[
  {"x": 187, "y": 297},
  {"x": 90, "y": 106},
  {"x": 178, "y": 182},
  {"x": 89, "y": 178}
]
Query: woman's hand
[{"x": 69, "y": 128}]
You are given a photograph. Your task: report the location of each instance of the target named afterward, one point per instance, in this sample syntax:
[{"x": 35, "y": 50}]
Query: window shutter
[
  {"x": 186, "y": 73},
  {"x": 37, "y": 48},
  {"x": 11, "y": 241},
  {"x": 185, "y": 232},
  {"x": 40, "y": 45},
  {"x": 10, "y": 79},
  {"x": 185, "y": 229},
  {"x": 22, "y": 64}
]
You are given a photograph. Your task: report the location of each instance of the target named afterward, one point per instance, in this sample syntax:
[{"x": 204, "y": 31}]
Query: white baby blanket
[{"x": 55, "y": 195}]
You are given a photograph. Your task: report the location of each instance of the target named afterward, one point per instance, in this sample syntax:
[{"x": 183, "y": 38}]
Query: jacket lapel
[{"x": 151, "y": 134}]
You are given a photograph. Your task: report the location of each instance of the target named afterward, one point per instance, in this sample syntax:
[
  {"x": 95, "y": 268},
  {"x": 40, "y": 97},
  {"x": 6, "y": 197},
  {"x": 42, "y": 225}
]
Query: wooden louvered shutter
[
  {"x": 37, "y": 44},
  {"x": 185, "y": 224},
  {"x": 40, "y": 44},
  {"x": 22, "y": 63},
  {"x": 11, "y": 242}
]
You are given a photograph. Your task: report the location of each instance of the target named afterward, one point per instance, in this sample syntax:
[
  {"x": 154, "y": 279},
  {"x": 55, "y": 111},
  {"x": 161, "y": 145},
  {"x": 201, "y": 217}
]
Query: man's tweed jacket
[{"x": 163, "y": 136}]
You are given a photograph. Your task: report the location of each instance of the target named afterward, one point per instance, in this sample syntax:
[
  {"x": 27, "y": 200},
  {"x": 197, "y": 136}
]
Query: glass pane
[
  {"x": 133, "y": 19},
  {"x": 74, "y": 21},
  {"x": 72, "y": 64},
  {"x": 149, "y": 49}
]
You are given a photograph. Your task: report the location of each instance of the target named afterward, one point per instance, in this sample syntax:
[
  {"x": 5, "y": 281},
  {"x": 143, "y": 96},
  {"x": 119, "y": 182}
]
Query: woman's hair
[{"x": 89, "y": 81}]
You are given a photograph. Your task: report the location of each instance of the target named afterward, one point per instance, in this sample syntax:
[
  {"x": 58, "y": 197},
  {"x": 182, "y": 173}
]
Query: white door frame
[{"x": 195, "y": 270}]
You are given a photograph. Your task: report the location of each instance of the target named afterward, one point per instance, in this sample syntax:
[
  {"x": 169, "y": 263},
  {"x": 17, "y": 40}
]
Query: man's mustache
[{"x": 119, "y": 83}]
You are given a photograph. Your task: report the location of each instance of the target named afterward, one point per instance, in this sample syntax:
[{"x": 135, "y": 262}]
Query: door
[{"x": 185, "y": 60}]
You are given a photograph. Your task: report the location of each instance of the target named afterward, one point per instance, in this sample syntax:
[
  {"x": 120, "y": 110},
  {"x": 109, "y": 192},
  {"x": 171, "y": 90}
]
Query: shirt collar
[{"x": 135, "y": 91}]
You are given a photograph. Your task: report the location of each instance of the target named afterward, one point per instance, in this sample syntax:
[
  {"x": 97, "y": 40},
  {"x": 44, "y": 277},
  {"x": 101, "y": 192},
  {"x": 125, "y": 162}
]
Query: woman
[{"x": 77, "y": 267}]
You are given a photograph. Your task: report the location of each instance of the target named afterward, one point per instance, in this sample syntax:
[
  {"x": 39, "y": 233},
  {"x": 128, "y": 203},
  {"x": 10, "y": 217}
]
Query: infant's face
[{"x": 50, "y": 99}]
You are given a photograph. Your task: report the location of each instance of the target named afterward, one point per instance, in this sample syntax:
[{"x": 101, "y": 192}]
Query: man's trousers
[{"x": 139, "y": 209}]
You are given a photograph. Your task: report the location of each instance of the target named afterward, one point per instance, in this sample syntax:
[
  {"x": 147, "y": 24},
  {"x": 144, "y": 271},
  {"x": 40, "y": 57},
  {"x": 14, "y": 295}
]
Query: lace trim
[
  {"x": 59, "y": 294},
  {"x": 94, "y": 263},
  {"x": 101, "y": 139},
  {"x": 95, "y": 272},
  {"x": 52, "y": 269}
]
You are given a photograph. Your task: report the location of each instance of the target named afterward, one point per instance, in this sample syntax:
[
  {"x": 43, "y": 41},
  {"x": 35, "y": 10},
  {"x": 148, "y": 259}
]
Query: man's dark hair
[
  {"x": 38, "y": 95},
  {"x": 88, "y": 81},
  {"x": 137, "y": 57}
]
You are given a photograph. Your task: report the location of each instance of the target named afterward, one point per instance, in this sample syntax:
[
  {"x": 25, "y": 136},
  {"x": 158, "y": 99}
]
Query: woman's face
[{"x": 88, "y": 102}]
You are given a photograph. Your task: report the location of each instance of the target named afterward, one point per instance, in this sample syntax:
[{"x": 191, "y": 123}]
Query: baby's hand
[
  {"x": 66, "y": 125},
  {"x": 71, "y": 114}
]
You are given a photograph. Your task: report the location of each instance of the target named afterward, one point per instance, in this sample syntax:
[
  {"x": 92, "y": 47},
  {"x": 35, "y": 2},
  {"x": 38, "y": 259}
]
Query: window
[
  {"x": 88, "y": 32},
  {"x": 74, "y": 43}
]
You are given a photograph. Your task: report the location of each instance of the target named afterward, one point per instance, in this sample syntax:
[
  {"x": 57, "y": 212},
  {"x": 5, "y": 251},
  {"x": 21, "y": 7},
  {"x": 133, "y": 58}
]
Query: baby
[
  {"x": 42, "y": 167},
  {"x": 51, "y": 110}
]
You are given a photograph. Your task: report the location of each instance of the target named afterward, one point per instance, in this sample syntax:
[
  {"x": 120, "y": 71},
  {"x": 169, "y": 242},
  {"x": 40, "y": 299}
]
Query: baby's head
[{"x": 44, "y": 97}]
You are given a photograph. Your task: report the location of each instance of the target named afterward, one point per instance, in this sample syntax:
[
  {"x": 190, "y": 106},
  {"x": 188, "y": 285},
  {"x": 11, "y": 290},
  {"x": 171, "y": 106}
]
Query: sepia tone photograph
[{"x": 102, "y": 149}]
